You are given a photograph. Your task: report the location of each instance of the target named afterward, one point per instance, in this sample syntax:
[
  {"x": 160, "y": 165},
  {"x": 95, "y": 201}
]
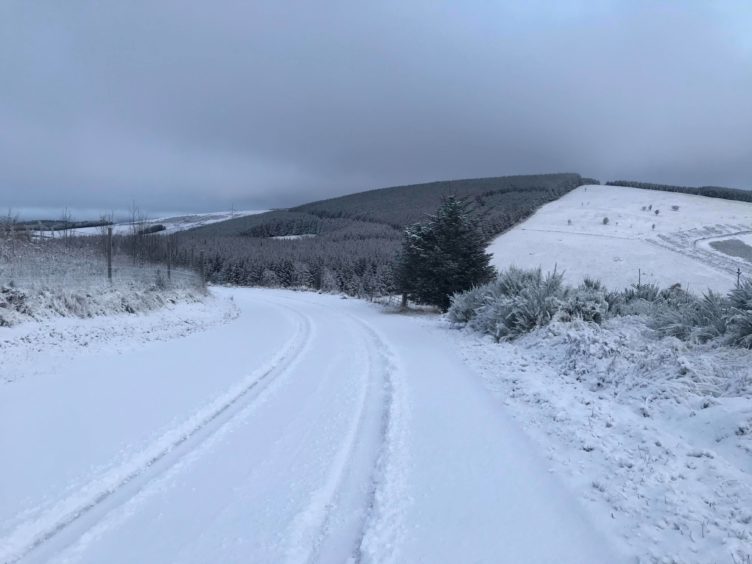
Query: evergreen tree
[{"x": 443, "y": 256}]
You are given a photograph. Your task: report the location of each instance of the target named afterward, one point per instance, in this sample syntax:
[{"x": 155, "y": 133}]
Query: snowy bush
[
  {"x": 465, "y": 304},
  {"x": 638, "y": 299},
  {"x": 516, "y": 302},
  {"x": 741, "y": 296},
  {"x": 588, "y": 303},
  {"x": 693, "y": 319},
  {"x": 740, "y": 316},
  {"x": 740, "y": 329},
  {"x": 519, "y": 301},
  {"x": 536, "y": 305}
]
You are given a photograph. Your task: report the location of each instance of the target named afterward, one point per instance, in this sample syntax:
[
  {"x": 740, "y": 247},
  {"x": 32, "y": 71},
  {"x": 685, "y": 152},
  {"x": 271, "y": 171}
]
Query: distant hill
[
  {"x": 350, "y": 243},
  {"x": 499, "y": 202}
]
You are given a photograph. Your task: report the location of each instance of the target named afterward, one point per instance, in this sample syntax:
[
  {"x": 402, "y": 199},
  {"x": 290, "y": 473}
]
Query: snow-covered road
[{"x": 309, "y": 428}]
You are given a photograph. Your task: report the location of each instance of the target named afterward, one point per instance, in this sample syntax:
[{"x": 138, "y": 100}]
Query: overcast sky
[{"x": 201, "y": 105}]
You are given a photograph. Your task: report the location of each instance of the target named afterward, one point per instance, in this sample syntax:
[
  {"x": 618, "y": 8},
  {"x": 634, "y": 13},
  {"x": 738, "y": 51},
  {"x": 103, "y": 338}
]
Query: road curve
[{"x": 309, "y": 429}]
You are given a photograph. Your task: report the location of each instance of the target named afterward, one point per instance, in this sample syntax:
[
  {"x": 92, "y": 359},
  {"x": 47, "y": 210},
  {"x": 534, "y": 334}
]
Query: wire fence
[{"x": 39, "y": 267}]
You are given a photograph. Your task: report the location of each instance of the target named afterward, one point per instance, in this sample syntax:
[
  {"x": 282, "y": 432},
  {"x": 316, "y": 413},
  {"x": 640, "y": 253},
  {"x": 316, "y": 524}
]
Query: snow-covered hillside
[
  {"x": 172, "y": 224},
  {"x": 616, "y": 234}
]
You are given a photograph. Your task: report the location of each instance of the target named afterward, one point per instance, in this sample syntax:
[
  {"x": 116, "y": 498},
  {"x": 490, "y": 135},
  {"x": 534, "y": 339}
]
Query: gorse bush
[
  {"x": 740, "y": 329},
  {"x": 741, "y": 297},
  {"x": 740, "y": 317},
  {"x": 519, "y": 301},
  {"x": 516, "y": 302},
  {"x": 588, "y": 303},
  {"x": 693, "y": 319}
]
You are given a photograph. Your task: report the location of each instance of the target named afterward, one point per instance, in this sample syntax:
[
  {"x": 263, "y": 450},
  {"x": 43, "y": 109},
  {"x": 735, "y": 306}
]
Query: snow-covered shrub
[
  {"x": 490, "y": 319},
  {"x": 740, "y": 329},
  {"x": 741, "y": 296},
  {"x": 692, "y": 319},
  {"x": 536, "y": 305},
  {"x": 646, "y": 292},
  {"x": 638, "y": 299},
  {"x": 519, "y": 301},
  {"x": 740, "y": 316},
  {"x": 592, "y": 284},
  {"x": 513, "y": 280},
  {"x": 516, "y": 302},
  {"x": 464, "y": 305},
  {"x": 588, "y": 303}
]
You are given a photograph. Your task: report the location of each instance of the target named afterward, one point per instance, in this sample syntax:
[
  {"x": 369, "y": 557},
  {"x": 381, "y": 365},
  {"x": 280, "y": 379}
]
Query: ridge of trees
[
  {"x": 736, "y": 194},
  {"x": 357, "y": 237}
]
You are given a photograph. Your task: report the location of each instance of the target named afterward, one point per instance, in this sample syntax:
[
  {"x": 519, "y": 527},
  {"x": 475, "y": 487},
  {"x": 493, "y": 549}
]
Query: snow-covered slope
[
  {"x": 668, "y": 247},
  {"x": 172, "y": 224}
]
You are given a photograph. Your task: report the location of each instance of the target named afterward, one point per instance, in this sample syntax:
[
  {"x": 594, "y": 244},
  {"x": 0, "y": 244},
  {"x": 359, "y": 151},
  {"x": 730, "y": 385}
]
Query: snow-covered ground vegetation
[
  {"x": 653, "y": 434},
  {"x": 642, "y": 397},
  {"x": 651, "y": 236},
  {"x": 519, "y": 301},
  {"x": 48, "y": 278}
]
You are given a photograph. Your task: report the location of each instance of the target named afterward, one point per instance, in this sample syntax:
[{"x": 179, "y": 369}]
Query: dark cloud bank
[{"x": 188, "y": 105}]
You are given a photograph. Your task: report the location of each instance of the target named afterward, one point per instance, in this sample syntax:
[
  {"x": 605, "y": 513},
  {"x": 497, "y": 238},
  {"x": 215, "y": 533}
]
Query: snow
[
  {"x": 569, "y": 234},
  {"x": 172, "y": 224},
  {"x": 293, "y": 237},
  {"x": 270, "y": 425},
  {"x": 653, "y": 434},
  {"x": 289, "y": 427}
]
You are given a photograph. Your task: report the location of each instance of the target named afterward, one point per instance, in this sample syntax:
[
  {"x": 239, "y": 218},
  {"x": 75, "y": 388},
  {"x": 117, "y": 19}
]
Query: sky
[{"x": 199, "y": 106}]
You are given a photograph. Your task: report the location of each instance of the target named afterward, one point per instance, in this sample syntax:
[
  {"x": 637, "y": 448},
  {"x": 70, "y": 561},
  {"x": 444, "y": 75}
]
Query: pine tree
[{"x": 443, "y": 256}]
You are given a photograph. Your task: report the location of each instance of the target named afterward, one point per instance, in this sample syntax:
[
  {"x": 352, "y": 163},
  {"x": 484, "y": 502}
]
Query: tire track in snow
[
  {"x": 364, "y": 493},
  {"x": 164, "y": 453},
  {"x": 328, "y": 530},
  {"x": 383, "y": 526}
]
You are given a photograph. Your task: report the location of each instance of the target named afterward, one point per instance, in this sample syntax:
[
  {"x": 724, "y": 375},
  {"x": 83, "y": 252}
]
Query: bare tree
[
  {"x": 9, "y": 224},
  {"x": 66, "y": 219},
  {"x": 136, "y": 232}
]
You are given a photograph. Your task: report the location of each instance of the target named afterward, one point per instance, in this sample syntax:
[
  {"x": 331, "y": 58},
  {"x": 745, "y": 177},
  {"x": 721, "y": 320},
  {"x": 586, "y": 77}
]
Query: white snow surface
[
  {"x": 569, "y": 235},
  {"x": 292, "y": 427},
  {"x": 655, "y": 435},
  {"x": 172, "y": 224}
]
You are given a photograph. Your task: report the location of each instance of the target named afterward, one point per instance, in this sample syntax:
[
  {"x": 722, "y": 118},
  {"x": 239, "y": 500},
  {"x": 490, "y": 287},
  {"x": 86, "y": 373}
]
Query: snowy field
[
  {"x": 293, "y": 427},
  {"x": 670, "y": 247},
  {"x": 172, "y": 224}
]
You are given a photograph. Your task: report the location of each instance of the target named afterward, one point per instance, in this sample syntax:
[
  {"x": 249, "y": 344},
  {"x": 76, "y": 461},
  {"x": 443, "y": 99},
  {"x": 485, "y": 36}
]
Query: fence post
[
  {"x": 738, "y": 276},
  {"x": 109, "y": 254},
  {"x": 169, "y": 259}
]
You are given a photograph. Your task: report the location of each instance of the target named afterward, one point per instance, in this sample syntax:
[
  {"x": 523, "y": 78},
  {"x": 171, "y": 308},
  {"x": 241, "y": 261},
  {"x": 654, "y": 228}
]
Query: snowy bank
[
  {"x": 654, "y": 433},
  {"x": 22, "y": 305}
]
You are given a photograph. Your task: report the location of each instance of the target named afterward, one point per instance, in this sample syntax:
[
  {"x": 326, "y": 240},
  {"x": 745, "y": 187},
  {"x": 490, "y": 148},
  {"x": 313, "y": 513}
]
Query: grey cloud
[{"x": 202, "y": 105}]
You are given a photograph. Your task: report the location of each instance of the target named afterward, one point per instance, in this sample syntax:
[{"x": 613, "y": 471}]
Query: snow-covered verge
[
  {"x": 31, "y": 348},
  {"x": 654, "y": 433},
  {"x": 18, "y": 305}
]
